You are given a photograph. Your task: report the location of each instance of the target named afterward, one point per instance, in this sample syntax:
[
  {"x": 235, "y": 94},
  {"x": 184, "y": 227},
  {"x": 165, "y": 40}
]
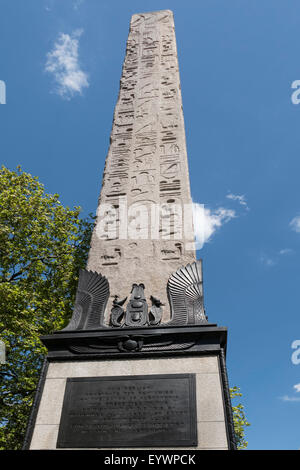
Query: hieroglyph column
[{"x": 144, "y": 229}]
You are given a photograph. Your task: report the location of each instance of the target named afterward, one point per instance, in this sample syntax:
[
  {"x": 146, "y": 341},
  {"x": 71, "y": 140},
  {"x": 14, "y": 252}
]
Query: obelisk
[
  {"x": 139, "y": 365},
  {"x": 144, "y": 228}
]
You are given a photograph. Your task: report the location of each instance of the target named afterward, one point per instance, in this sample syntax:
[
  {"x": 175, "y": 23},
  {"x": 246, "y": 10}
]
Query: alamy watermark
[
  {"x": 147, "y": 220},
  {"x": 295, "y": 358},
  {"x": 2, "y": 92}
]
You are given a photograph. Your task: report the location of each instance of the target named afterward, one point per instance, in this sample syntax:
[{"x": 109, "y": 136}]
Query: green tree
[
  {"x": 42, "y": 246},
  {"x": 239, "y": 419}
]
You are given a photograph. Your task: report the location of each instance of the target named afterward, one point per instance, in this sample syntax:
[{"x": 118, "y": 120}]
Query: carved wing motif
[
  {"x": 90, "y": 303},
  {"x": 185, "y": 292}
]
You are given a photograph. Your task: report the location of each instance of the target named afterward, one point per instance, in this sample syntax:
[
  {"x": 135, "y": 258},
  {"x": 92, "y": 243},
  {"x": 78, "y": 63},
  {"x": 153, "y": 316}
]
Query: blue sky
[{"x": 238, "y": 60}]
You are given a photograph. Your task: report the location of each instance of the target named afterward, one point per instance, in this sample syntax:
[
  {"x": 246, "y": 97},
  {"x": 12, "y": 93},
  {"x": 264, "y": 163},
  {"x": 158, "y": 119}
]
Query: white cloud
[
  {"x": 285, "y": 251},
  {"x": 297, "y": 388},
  {"x": 240, "y": 198},
  {"x": 292, "y": 398},
  {"x": 274, "y": 259},
  {"x": 288, "y": 398},
  {"x": 63, "y": 64},
  {"x": 267, "y": 260},
  {"x": 295, "y": 224},
  {"x": 206, "y": 222}
]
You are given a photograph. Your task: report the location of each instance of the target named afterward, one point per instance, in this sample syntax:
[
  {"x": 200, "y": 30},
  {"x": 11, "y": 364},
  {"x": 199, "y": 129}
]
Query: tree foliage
[
  {"x": 239, "y": 419},
  {"x": 42, "y": 246}
]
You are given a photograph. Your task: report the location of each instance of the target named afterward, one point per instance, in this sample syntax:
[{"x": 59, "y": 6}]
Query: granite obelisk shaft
[{"x": 144, "y": 228}]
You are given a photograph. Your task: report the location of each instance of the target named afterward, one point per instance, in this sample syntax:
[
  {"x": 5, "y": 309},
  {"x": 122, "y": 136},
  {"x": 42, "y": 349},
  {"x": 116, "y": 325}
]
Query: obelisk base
[{"x": 170, "y": 390}]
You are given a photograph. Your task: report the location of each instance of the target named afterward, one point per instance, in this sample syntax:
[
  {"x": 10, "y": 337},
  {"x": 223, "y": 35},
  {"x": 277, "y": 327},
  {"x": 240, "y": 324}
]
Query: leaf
[{"x": 239, "y": 419}]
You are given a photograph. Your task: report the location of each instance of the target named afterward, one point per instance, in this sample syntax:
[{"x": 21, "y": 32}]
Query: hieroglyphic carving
[
  {"x": 170, "y": 169},
  {"x": 144, "y": 159},
  {"x": 111, "y": 255},
  {"x": 171, "y": 250}
]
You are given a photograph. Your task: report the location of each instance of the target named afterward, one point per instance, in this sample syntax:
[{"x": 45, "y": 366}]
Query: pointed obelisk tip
[{"x": 136, "y": 16}]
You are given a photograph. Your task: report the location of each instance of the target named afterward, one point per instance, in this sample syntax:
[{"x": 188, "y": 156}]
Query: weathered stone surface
[
  {"x": 205, "y": 365},
  {"x": 51, "y": 402},
  {"x": 146, "y": 164}
]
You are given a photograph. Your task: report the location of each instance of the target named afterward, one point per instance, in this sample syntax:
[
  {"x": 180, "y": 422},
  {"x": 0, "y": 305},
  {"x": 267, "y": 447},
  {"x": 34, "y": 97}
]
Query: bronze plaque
[{"x": 129, "y": 411}]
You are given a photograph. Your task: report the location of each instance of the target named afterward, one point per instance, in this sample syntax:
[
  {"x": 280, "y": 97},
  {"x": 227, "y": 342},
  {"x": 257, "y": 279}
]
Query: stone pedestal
[{"x": 198, "y": 351}]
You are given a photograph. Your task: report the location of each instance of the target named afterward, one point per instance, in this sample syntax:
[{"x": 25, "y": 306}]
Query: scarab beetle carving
[{"x": 137, "y": 308}]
